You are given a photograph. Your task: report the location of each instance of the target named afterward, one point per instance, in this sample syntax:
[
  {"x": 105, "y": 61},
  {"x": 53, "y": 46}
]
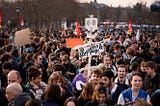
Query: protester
[
  {"x": 155, "y": 98},
  {"x": 99, "y": 96},
  {"x": 36, "y": 86},
  {"x": 71, "y": 101},
  {"x": 48, "y": 56},
  {"x": 33, "y": 102},
  {"x": 52, "y": 95},
  {"x": 152, "y": 78},
  {"x": 86, "y": 94},
  {"x": 15, "y": 95},
  {"x": 112, "y": 89},
  {"x": 134, "y": 93},
  {"x": 58, "y": 78}
]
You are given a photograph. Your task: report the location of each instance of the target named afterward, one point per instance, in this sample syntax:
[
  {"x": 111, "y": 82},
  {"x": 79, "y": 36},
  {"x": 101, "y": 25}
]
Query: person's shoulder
[
  {"x": 91, "y": 103},
  {"x": 49, "y": 103},
  {"x": 126, "y": 91}
]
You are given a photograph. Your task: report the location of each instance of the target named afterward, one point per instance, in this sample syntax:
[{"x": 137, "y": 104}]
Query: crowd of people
[{"x": 48, "y": 73}]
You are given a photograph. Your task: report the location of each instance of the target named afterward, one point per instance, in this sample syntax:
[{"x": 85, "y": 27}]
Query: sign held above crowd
[
  {"x": 22, "y": 37},
  {"x": 91, "y": 23},
  {"x": 90, "y": 49}
]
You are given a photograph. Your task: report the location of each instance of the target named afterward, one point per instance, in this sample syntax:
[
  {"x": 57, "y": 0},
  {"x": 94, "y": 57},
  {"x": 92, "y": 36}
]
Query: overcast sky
[{"x": 123, "y": 3}]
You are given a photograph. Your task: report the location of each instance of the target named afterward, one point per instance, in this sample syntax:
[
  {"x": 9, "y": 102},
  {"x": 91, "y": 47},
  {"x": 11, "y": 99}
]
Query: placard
[{"x": 22, "y": 37}]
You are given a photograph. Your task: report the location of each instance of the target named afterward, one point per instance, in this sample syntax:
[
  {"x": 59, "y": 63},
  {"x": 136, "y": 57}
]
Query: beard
[{"x": 109, "y": 84}]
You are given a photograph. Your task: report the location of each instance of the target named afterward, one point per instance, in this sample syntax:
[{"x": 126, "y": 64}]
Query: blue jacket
[{"x": 127, "y": 95}]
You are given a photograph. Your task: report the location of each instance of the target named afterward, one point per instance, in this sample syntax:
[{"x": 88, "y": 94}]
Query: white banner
[
  {"x": 91, "y": 49},
  {"x": 91, "y": 24}
]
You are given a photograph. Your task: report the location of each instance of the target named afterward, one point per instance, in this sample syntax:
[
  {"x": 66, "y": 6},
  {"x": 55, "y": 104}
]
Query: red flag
[
  {"x": 77, "y": 29},
  {"x": 130, "y": 27},
  {"x": 0, "y": 19},
  {"x": 21, "y": 22}
]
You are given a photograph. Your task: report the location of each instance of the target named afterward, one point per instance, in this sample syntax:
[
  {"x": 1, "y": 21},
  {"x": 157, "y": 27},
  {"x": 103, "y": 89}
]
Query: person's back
[
  {"x": 21, "y": 99},
  {"x": 49, "y": 103},
  {"x": 155, "y": 98}
]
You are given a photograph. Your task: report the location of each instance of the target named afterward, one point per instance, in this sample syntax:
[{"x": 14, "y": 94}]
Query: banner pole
[{"x": 89, "y": 66}]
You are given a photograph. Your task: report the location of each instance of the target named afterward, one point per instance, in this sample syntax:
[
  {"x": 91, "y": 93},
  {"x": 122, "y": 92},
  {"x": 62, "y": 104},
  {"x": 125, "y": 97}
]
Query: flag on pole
[
  {"x": 138, "y": 35},
  {"x": 130, "y": 28},
  {"x": 0, "y": 19},
  {"x": 21, "y": 23},
  {"x": 77, "y": 29}
]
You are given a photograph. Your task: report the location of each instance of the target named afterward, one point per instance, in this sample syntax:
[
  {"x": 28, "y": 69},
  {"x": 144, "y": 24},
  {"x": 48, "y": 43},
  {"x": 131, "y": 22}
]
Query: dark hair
[
  {"x": 9, "y": 48},
  {"x": 36, "y": 55},
  {"x": 5, "y": 57},
  {"x": 99, "y": 89},
  {"x": 7, "y": 65},
  {"x": 53, "y": 93},
  {"x": 32, "y": 72},
  {"x": 134, "y": 66},
  {"x": 108, "y": 73},
  {"x": 121, "y": 62},
  {"x": 136, "y": 74},
  {"x": 155, "y": 98},
  {"x": 59, "y": 67},
  {"x": 83, "y": 64},
  {"x": 1, "y": 51},
  {"x": 150, "y": 64},
  {"x": 33, "y": 102},
  {"x": 71, "y": 99},
  {"x": 15, "y": 53}
]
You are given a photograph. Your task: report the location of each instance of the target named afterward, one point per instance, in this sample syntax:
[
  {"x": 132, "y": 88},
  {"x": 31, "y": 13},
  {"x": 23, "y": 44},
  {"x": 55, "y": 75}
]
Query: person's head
[
  {"x": 95, "y": 75},
  {"x": 150, "y": 67},
  {"x": 38, "y": 59},
  {"x": 62, "y": 54},
  {"x": 107, "y": 60},
  {"x": 121, "y": 71},
  {"x": 6, "y": 58},
  {"x": 52, "y": 60},
  {"x": 53, "y": 93},
  {"x": 9, "y": 49},
  {"x": 14, "y": 76},
  {"x": 141, "y": 103},
  {"x": 142, "y": 66},
  {"x": 34, "y": 75},
  {"x": 61, "y": 45},
  {"x": 60, "y": 68},
  {"x": 136, "y": 81},
  {"x": 71, "y": 101},
  {"x": 99, "y": 94},
  {"x": 130, "y": 52},
  {"x": 83, "y": 68},
  {"x": 134, "y": 66},
  {"x": 65, "y": 59},
  {"x": 7, "y": 67},
  {"x": 57, "y": 77},
  {"x": 33, "y": 102},
  {"x": 84, "y": 59},
  {"x": 107, "y": 77},
  {"x": 87, "y": 91},
  {"x": 13, "y": 90}
]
